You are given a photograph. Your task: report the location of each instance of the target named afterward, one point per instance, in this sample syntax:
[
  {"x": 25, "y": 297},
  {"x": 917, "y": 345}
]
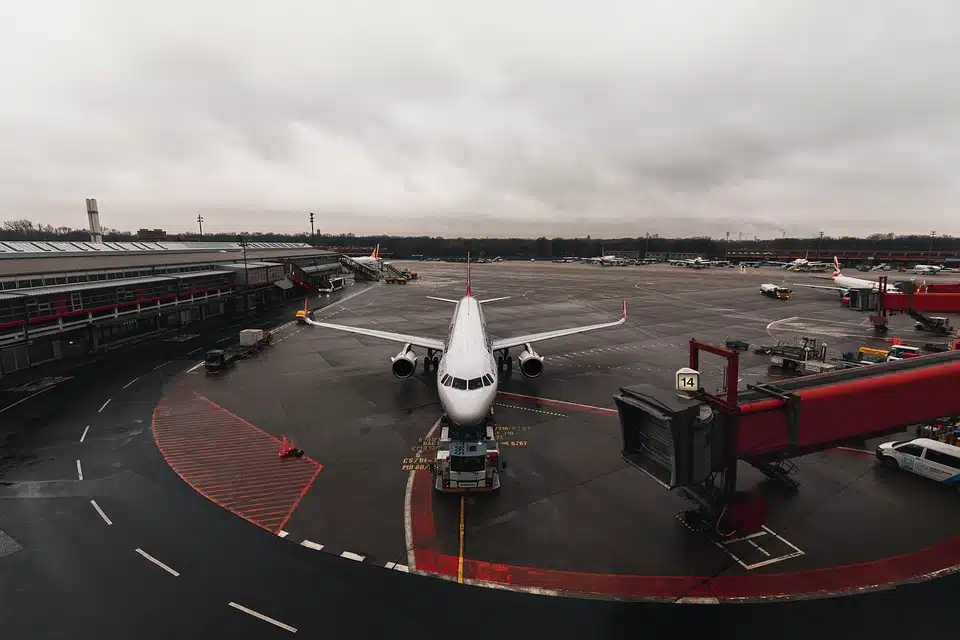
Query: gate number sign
[{"x": 688, "y": 379}]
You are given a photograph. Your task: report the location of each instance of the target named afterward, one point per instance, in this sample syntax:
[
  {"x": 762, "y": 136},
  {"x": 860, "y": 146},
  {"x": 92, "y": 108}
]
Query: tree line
[{"x": 436, "y": 246}]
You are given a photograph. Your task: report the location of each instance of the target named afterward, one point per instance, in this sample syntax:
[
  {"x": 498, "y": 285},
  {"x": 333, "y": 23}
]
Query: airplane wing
[
  {"x": 516, "y": 341},
  {"x": 418, "y": 341}
]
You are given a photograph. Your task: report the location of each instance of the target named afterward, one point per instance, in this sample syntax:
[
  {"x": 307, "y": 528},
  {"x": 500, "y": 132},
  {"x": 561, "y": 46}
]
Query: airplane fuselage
[{"x": 467, "y": 375}]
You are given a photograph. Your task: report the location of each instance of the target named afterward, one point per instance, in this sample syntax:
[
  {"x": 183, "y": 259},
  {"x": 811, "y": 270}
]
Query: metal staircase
[
  {"x": 360, "y": 271},
  {"x": 392, "y": 270}
]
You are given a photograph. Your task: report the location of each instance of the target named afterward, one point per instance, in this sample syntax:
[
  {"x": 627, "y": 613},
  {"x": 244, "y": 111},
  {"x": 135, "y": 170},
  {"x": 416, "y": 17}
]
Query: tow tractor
[
  {"x": 251, "y": 341},
  {"x": 808, "y": 356},
  {"x": 468, "y": 459}
]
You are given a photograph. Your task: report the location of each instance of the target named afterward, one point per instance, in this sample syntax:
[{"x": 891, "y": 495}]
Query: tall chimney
[{"x": 96, "y": 233}]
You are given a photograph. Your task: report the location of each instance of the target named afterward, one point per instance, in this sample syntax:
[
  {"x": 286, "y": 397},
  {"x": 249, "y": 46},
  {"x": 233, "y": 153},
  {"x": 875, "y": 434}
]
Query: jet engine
[
  {"x": 404, "y": 363},
  {"x": 531, "y": 363}
]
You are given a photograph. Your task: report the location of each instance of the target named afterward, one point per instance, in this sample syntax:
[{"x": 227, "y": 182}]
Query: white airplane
[
  {"x": 373, "y": 260},
  {"x": 605, "y": 260},
  {"x": 466, "y": 367},
  {"x": 927, "y": 269},
  {"x": 843, "y": 284},
  {"x": 695, "y": 263}
]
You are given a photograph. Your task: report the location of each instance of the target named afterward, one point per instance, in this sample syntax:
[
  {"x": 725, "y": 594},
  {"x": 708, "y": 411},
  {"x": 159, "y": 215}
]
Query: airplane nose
[{"x": 466, "y": 413}]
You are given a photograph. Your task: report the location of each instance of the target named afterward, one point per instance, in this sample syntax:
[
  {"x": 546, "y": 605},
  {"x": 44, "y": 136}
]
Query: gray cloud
[{"x": 493, "y": 118}]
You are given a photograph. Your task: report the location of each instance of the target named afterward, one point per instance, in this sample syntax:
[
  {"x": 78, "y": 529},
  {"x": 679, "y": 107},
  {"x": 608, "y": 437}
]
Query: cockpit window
[
  {"x": 476, "y": 383},
  {"x": 447, "y": 380},
  {"x": 487, "y": 379},
  {"x": 459, "y": 383}
]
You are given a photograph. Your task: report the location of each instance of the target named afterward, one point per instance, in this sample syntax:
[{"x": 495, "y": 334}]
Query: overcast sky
[{"x": 484, "y": 118}]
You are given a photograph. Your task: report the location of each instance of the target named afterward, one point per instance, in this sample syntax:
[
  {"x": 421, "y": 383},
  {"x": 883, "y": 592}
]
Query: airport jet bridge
[{"x": 694, "y": 440}]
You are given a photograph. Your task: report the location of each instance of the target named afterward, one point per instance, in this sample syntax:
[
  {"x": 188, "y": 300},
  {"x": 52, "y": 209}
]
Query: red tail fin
[
  {"x": 468, "y": 275},
  {"x": 623, "y": 314},
  {"x": 376, "y": 253},
  {"x": 306, "y": 305}
]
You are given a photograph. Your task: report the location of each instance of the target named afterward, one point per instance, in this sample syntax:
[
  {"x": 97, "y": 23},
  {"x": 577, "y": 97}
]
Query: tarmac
[
  {"x": 106, "y": 530},
  {"x": 569, "y": 503}
]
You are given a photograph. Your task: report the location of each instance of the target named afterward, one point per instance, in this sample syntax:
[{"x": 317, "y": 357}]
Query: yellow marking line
[{"x": 460, "y": 557}]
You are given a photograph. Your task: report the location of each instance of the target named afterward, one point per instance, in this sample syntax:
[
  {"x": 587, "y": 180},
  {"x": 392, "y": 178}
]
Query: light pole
[
  {"x": 726, "y": 244},
  {"x": 200, "y": 221},
  {"x": 312, "y": 232},
  {"x": 930, "y": 253},
  {"x": 820, "y": 245},
  {"x": 646, "y": 245}
]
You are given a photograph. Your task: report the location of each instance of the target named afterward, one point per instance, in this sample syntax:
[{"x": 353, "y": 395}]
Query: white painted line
[
  {"x": 759, "y": 548},
  {"x": 749, "y": 537},
  {"x": 253, "y": 613},
  {"x": 158, "y": 563},
  {"x": 397, "y": 567},
  {"x": 349, "y": 555},
  {"x": 84, "y": 433},
  {"x": 159, "y": 366},
  {"x": 407, "y": 504},
  {"x": 79, "y": 471},
  {"x": 282, "y": 533},
  {"x": 194, "y": 351},
  {"x": 11, "y": 406},
  {"x": 698, "y": 600},
  {"x": 195, "y": 367},
  {"x": 224, "y": 339},
  {"x": 131, "y": 382},
  {"x": 100, "y": 511},
  {"x": 311, "y": 545},
  {"x": 104, "y": 405}
]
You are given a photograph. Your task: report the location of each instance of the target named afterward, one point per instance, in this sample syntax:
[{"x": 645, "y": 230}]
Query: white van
[{"x": 925, "y": 457}]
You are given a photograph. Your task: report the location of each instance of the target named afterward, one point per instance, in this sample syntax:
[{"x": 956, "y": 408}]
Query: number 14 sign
[{"x": 688, "y": 379}]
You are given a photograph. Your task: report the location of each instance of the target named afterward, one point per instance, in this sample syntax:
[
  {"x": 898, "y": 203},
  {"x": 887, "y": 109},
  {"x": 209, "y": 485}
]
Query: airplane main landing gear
[
  {"x": 431, "y": 360},
  {"x": 504, "y": 362}
]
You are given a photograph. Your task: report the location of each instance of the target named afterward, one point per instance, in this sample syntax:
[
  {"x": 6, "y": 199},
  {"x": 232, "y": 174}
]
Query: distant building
[
  {"x": 151, "y": 235},
  {"x": 627, "y": 255}
]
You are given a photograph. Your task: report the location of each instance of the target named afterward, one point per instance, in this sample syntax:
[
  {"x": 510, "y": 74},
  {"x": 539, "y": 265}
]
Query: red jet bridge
[{"x": 693, "y": 441}]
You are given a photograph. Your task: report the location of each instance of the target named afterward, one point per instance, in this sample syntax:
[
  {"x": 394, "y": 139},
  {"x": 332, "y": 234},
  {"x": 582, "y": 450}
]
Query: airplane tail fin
[
  {"x": 468, "y": 274},
  {"x": 306, "y": 306},
  {"x": 623, "y": 313},
  {"x": 376, "y": 253},
  {"x": 836, "y": 267}
]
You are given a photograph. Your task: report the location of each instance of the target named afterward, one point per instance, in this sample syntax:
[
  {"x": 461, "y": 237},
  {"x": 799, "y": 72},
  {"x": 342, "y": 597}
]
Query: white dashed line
[
  {"x": 311, "y": 545},
  {"x": 349, "y": 555},
  {"x": 11, "y": 406},
  {"x": 282, "y": 533},
  {"x": 195, "y": 351},
  {"x": 158, "y": 563},
  {"x": 397, "y": 567},
  {"x": 79, "y": 471},
  {"x": 224, "y": 339},
  {"x": 253, "y": 613},
  {"x": 548, "y": 413},
  {"x": 104, "y": 405},
  {"x": 160, "y": 366},
  {"x": 195, "y": 367},
  {"x": 100, "y": 511},
  {"x": 131, "y": 382},
  {"x": 84, "y": 433}
]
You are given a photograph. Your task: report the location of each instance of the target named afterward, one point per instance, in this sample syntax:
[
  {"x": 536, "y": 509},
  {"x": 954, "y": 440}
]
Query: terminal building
[{"x": 64, "y": 299}]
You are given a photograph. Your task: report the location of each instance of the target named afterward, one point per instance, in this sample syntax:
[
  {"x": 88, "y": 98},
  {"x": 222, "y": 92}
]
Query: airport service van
[
  {"x": 925, "y": 457},
  {"x": 467, "y": 464},
  {"x": 772, "y": 290},
  {"x": 331, "y": 285}
]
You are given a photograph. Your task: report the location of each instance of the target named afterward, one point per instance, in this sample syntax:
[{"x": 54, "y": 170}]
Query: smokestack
[{"x": 96, "y": 233}]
